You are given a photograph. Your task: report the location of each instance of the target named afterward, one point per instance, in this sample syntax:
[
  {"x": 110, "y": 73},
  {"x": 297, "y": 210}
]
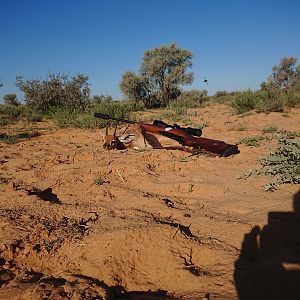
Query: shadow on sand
[{"x": 269, "y": 264}]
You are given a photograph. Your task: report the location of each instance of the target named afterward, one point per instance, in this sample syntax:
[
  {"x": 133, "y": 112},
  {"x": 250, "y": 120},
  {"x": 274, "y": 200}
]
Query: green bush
[
  {"x": 56, "y": 90},
  {"x": 245, "y": 101},
  {"x": 271, "y": 98},
  {"x": 31, "y": 115},
  {"x": 190, "y": 99},
  {"x": 10, "y": 113},
  {"x": 282, "y": 164},
  {"x": 293, "y": 99}
]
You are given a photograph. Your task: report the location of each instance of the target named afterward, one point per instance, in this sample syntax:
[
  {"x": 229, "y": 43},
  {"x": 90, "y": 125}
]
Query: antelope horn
[{"x": 115, "y": 129}]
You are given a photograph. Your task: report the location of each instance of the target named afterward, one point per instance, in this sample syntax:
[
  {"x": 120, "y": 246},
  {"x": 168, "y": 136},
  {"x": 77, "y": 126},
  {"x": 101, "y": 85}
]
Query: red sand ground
[{"x": 81, "y": 222}]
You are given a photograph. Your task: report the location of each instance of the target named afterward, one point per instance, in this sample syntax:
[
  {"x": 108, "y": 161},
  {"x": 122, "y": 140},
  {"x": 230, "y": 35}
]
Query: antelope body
[{"x": 134, "y": 138}]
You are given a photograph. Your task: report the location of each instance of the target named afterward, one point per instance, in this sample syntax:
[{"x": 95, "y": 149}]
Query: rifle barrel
[{"x": 107, "y": 117}]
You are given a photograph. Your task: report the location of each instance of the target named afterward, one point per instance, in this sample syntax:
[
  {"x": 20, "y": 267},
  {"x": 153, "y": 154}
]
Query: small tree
[
  {"x": 286, "y": 73},
  {"x": 56, "y": 90},
  {"x": 11, "y": 99},
  {"x": 162, "y": 72},
  {"x": 166, "y": 68}
]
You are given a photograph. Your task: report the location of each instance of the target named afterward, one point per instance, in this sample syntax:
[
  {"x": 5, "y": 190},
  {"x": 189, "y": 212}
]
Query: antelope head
[{"x": 111, "y": 141}]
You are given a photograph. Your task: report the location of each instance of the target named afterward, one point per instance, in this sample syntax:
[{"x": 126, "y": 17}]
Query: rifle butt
[{"x": 215, "y": 146}]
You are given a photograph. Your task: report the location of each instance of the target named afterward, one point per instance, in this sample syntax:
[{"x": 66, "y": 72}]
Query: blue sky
[{"x": 234, "y": 43}]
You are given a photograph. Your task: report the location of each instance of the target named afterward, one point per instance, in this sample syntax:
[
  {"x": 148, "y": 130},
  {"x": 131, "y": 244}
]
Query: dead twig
[{"x": 120, "y": 175}]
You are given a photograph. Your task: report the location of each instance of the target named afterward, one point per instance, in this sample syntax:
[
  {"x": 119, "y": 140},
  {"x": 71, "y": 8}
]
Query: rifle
[{"x": 190, "y": 137}]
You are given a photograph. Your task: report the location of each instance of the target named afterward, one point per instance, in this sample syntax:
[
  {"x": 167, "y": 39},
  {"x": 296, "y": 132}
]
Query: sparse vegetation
[
  {"x": 279, "y": 92},
  {"x": 99, "y": 181},
  {"x": 7, "y": 138},
  {"x": 14, "y": 138},
  {"x": 282, "y": 164},
  {"x": 251, "y": 141},
  {"x": 241, "y": 127},
  {"x": 57, "y": 90},
  {"x": 270, "y": 129}
]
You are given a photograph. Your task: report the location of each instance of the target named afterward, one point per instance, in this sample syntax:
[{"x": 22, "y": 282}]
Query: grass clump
[
  {"x": 251, "y": 141},
  {"x": 8, "y": 138},
  {"x": 270, "y": 129},
  {"x": 14, "y": 138},
  {"x": 99, "y": 181},
  {"x": 65, "y": 117}
]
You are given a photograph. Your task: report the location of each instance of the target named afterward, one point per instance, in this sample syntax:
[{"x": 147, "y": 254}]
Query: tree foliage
[
  {"x": 135, "y": 87},
  {"x": 58, "y": 90},
  {"x": 286, "y": 73},
  {"x": 162, "y": 72}
]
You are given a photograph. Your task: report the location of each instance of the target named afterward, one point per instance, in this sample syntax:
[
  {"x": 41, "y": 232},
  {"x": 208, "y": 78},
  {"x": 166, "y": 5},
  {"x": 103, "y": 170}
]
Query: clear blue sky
[{"x": 234, "y": 43}]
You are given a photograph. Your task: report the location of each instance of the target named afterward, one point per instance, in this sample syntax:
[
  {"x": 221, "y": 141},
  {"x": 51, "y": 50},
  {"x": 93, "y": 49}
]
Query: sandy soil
[{"x": 81, "y": 222}]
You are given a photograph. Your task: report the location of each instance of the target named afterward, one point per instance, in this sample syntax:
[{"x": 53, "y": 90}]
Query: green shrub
[
  {"x": 56, "y": 90},
  {"x": 245, "y": 101},
  {"x": 251, "y": 141},
  {"x": 270, "y": 100},
  {"x": 282, "y": 164},
  {"x": 292, "y": 99},
  {"x": 190, "y": 99},
  {"x": 10, "y": 113},
  {"x": 63, "y": 117}
]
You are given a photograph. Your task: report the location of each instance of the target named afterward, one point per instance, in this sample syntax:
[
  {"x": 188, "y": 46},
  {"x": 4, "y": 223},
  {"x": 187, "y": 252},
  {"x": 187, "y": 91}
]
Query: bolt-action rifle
[{"x": 186, "y": 136}]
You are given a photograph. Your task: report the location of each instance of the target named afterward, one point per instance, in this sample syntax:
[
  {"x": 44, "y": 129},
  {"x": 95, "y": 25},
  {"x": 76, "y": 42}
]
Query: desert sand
[{"x": 82, "y": 222}]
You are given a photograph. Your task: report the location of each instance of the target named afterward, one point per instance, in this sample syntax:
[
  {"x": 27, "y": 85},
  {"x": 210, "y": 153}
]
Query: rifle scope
[{"x": 188, "y": 130}]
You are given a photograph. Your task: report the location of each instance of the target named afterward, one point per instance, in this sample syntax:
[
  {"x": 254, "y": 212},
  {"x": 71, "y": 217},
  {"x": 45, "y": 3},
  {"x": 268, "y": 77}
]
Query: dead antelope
[{"x": 134, "y": 138}]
